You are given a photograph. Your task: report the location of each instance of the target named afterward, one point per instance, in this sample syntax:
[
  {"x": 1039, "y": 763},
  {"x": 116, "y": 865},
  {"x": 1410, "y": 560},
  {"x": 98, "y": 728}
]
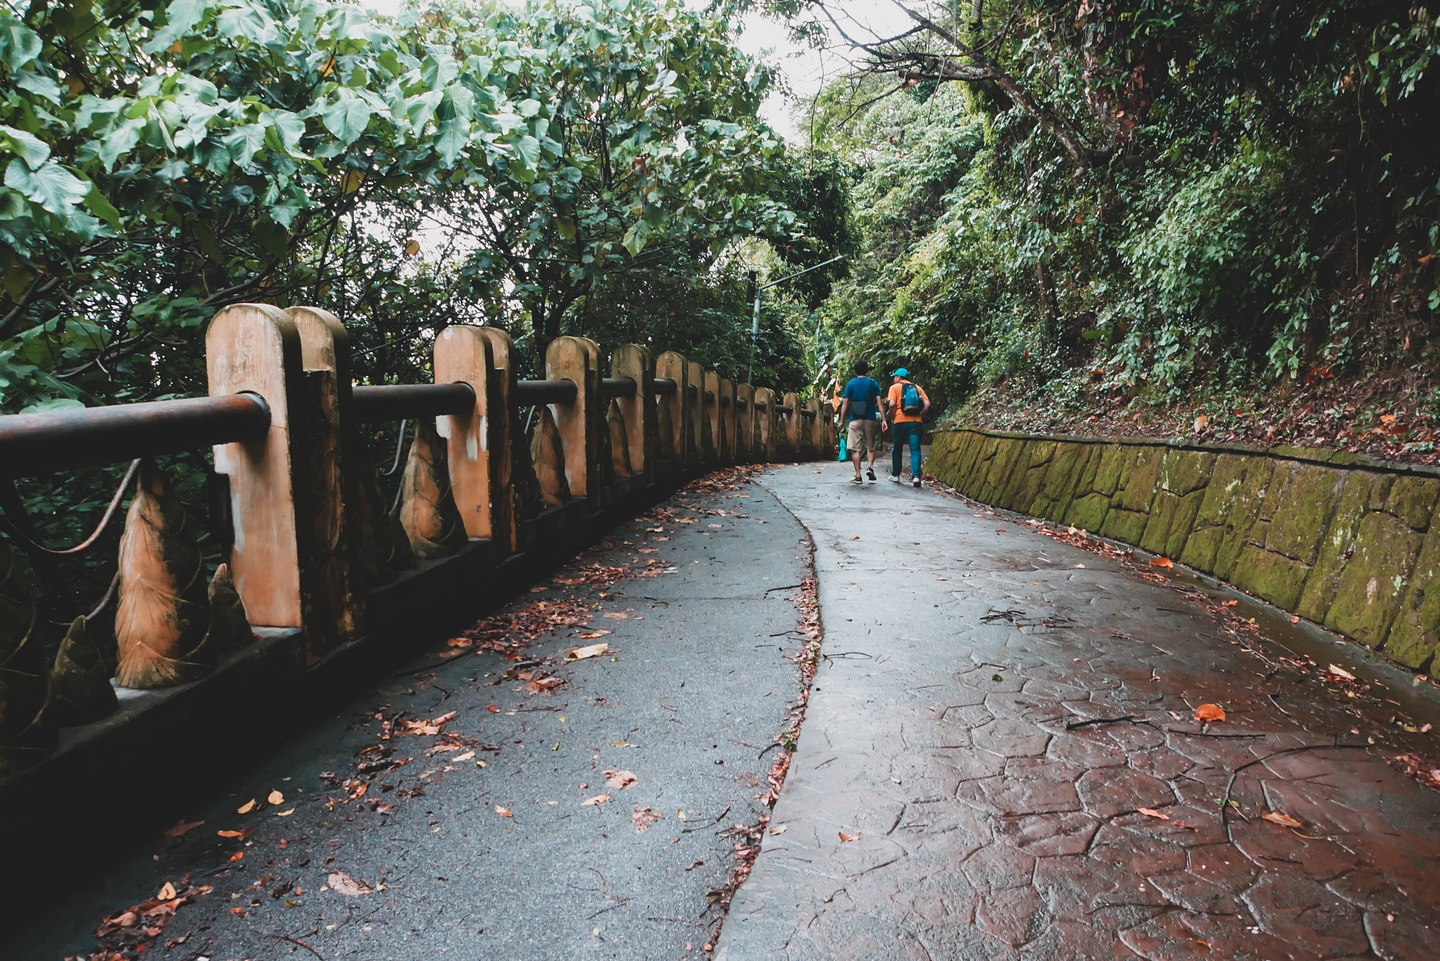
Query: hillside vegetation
[{"x": 1210, "y": 218}]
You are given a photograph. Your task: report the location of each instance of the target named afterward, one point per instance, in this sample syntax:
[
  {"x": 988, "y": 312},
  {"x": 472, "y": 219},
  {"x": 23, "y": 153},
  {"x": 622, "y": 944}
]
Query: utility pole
[{"x": 755, "y": 289}]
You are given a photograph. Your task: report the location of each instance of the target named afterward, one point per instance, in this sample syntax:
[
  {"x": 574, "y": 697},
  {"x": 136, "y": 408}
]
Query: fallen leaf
[
  {"x": 616, "y": 615},
  {"x": 591, "y": 635},
  {"x": 234, "y": 834},
  {"x": 346, "y": 885},
  {"x": 284, "y": 814},
  {"x": 778, "y": 829},
  {"x": 1152, "y": 813},
  {"x": 167, "y": 893},
  {"x": 619, "y": 779},
  {"x": 1161, "y": 562},
  {"x": 849, "y": 837},
  {"x": 544, "y": 685},
  {"x": 503, "y": 812},
  {"x": 1284, "y": 820},
  {"x": 1339, "y": 671},
  {"x": 1294, "y": 618},
  {"x": 1228, "y": 603},
  {"x": 181, "y": 828},
  {"x": 492, "y": 709},
  {"x": 275, "y": 797},
  {"x": 247, "y": 807},
  {"x": 1210, "y": 712},
  {"x": 644, "y": 818},
  {"x": 1202, "y": 421},
  {"x": 462, "y": 757},
  {"x": 580, "y": 653},
  {"x": 597, "y": 799}
]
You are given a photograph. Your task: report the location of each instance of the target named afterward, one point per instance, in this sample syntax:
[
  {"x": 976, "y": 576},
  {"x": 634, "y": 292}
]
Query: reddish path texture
[{"x": 1001, "y": 760}]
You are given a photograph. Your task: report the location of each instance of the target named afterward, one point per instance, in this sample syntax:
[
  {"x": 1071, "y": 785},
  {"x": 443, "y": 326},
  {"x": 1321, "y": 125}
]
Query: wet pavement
[{"x": 1000, "y": 760}]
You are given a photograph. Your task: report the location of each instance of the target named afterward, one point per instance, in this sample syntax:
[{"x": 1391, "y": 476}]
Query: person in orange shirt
[{"x": 907, "y": 404}]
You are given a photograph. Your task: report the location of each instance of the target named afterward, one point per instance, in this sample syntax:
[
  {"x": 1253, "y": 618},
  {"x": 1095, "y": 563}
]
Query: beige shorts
[{"x": 862, "y": 436}]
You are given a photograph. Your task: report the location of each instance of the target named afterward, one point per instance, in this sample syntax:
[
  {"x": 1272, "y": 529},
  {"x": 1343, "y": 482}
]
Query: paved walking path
[
  {"x": 994, "y": 710},
  {"x": 1000, "y": 761}
]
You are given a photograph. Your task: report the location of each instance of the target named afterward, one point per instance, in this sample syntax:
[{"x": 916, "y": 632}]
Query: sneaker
[
  {"x": 856, "y": 480},
  {"x": 894, "y": 478},
  {"x": 870, "y": 473},
  {"x": 917, "y": 483}
]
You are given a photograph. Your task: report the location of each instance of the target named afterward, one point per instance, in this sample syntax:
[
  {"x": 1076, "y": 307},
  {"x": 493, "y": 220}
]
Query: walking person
[
  {"x": 864, "y": 417},
  {"x": 907, "y": 404}
]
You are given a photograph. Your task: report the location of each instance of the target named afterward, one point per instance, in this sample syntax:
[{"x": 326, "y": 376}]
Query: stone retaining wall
[{"x": 1342, "y": 541}]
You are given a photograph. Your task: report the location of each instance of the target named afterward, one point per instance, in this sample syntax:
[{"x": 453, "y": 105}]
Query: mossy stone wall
[{"x": 1344, "y": 542}]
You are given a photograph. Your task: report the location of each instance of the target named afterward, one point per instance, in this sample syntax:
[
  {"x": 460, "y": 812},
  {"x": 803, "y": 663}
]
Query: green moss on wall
[
  {"x": 1304, "y": 498},
  {"x": 1413, "y": 499},
  {"x": 1275, "y": 578},
  {"x": 1336, "y": 545},
  {"x": 1375, "y": 580}
]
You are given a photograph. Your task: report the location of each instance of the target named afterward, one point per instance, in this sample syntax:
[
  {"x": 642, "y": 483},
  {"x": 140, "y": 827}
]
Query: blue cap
[{"x": 902, "y": 372}]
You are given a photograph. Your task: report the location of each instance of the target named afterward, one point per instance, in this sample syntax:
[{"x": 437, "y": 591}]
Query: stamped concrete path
[
  {"x": 993, "y": 711},
  {"x": 1000, "y": 761}
]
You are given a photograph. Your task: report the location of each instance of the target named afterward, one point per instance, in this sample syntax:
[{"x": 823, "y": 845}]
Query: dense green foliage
[
  {"x": 455, "y": 163},
  {"x": 1142, "y": 195}
]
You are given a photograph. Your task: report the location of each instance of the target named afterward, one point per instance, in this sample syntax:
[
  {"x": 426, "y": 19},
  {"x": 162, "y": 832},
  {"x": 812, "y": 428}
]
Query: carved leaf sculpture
[
  {"x": 163, "y": 613},
  {"x": 528, "y": 502},
  {"x": 24, "y": 684},
  {"x": 384, "y": 545},
  {"x": 548, "y": 455},
  {"x": 427, "y": 508},
  {"x": 619, "y": 441},
  {"x": 229, "y": 627},
  {"x": 80, "y": 690}
]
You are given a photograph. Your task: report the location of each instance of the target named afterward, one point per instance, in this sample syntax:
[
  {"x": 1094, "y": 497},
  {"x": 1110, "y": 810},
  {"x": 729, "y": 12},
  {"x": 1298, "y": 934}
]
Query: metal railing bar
[
  {"x": 617, "y": 387},
  {"x": 665, "y": 387},
  {"x": 531, "y": 392},
  {"x": 404, "y": 401},
  {"x": 42, "y": 443}
]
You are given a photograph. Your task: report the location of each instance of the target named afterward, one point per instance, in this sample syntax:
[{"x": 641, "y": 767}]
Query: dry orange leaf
[
  {"x": 1161, "y": 562},
  {"x": 1228, "y": 603},
  {"x": 1152, "y": 813},
  {"x": 275, "y": 798},
  {"x": 580, "y": 653},
  {"x": 544, "y": 685},
  {"x": 345, "y": 884},
  {"x": 1202, "y": 421},
  {"x": 182, "y": 827},
  {"x": 1210, "y": 712},
  {"x": 503, "y": 812},
  {"x": 247, "y": 807},
  {"x": 619, "y": 779},
  {"x": 849, "y": 837},
  {"x": 644, "y": 818},
  {"x": 591, "y": 635},
  {"x": 597, "y": 799},
  {"x": 1284, "y": 820},
  {"x": 233, "y": 834},
  {"x": 1340, "y": 672},
  {"x": 167, "y": 893}
]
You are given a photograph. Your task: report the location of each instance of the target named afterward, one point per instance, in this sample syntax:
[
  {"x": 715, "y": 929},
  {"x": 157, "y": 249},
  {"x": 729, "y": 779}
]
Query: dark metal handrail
[
  {"x": 617, "y": 387},
  {"x": 529, "y": 393},
  {"x": 740, "y": 403},
  {"x": 400, "y": 401},
  {"x": 709, "y": 397},
  {"x": 807, "y": 412},
  {"x": 665, "y": 387},
  {"x": 89, "y": 437},
  {"x": 784, "y": 409},
  {"x": 761, "y": 405}
]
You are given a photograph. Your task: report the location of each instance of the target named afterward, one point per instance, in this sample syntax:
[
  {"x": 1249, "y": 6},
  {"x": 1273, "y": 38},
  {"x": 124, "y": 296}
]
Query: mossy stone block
[
  {"x": 1375, "y": 580},
  {"x": 1184, "y": 471},
  {"x": 1226, "y": 481},
  {"x": 1245, "y": 507},
  {"x": 1142, "y": 471},
  {"x": 1300, "y": 509},
  {"x": 1278, "y": 579},
  {"x": 1412, "y": 499},
  {"x": 1415, "y": 634},
  {"x": 1123, "y": 525},
  {"x": 1088, "y": 512},
  {"x": 1000, "y": 474},
  {"x": 1336, "y": 545},
  {"x": 1380, "y": 492},
  {"x": 1110, "y": 470},
  {"x": 1055, "y": 497},
  {"x": 1172, "y": 521},
  {"x": 1041, "y": 452},
  {"x": 1201, "y": 547}
]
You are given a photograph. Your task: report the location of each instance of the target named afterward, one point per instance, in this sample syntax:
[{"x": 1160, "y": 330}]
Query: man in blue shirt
[{"x": 864, "y": 418}]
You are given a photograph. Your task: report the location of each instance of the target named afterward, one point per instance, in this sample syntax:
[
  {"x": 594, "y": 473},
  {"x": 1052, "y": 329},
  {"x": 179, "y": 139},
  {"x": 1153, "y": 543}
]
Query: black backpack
[{"x": 910, "y": 400}]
